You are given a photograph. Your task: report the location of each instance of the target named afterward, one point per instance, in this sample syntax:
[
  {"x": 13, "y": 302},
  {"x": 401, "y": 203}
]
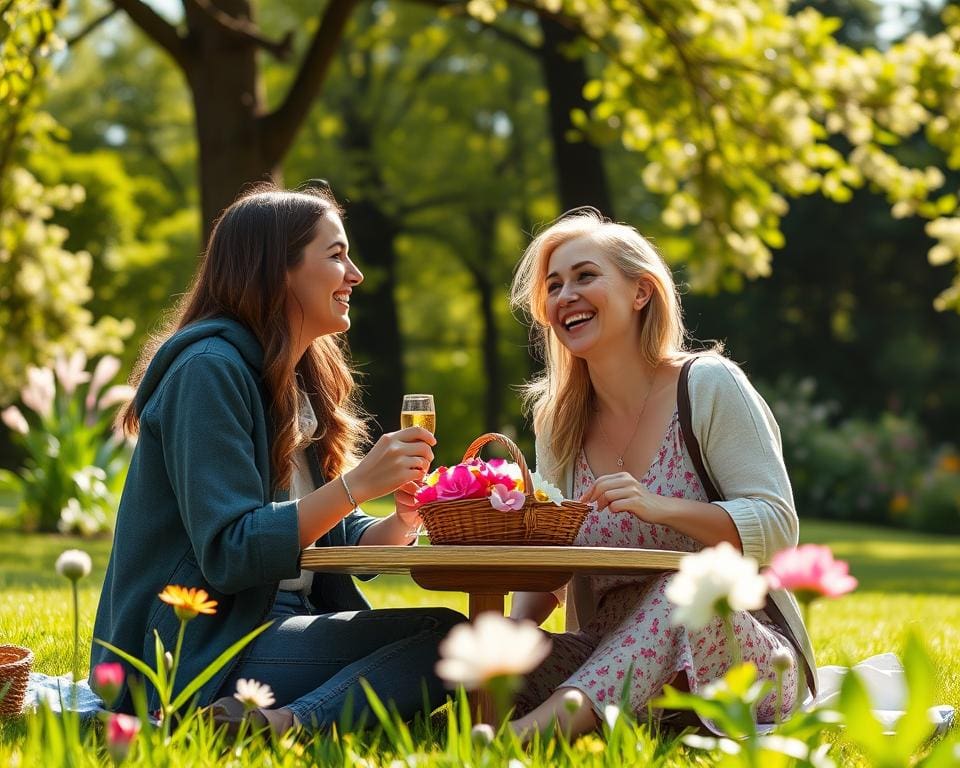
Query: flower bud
[
  {"x": 782, "y": 660},
  {"x": 572, "y": 700},
  {"x": 74, "y": 564},
  {"x": 107, "y": 681},
  {"x": 121, "y": 731},
  {"x": 168, "y": 661},
  {"x": 482, "y": 734}
]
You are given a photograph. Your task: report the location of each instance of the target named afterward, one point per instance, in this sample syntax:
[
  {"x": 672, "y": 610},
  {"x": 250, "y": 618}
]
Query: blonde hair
[{"x": 559, "y": 398}]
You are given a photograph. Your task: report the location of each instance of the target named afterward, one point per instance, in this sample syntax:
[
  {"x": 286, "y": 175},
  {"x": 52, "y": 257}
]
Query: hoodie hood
[{"x": 230, "y": 330}]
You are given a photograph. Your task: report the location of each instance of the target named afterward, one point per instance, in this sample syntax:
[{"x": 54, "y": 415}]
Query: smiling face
[
  {"x": 590, "y": 304},
  {"x": 319, "y": 286}
]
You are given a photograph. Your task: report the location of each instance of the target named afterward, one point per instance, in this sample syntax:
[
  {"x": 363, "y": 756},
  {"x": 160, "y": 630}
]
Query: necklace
[{"x": 636, "y": 426}]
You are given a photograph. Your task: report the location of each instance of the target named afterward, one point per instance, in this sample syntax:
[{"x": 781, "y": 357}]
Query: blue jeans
[{"x": 314, "y": 662}]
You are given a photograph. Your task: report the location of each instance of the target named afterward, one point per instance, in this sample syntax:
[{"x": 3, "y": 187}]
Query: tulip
[
  {"x": 121, "y": 732},
  {"x": 108, "y": 681}
]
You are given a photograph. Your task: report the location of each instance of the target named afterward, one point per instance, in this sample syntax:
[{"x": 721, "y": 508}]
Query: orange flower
[
  {"x": 187, "y": 603},
  {"x": 950, "y": 463}
]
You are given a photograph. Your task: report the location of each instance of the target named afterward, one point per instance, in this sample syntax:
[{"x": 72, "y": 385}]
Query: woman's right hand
[{"x": 395, "y": 459}]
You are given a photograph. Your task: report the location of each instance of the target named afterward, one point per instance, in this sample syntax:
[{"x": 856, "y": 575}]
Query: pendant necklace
[{"x": 636, "y": 426}]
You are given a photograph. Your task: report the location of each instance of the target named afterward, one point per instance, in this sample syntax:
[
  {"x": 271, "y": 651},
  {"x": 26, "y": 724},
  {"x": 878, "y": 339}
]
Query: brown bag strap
[
  {"x": 689, "y": 439},
  {"x": 696, "y": 456}
]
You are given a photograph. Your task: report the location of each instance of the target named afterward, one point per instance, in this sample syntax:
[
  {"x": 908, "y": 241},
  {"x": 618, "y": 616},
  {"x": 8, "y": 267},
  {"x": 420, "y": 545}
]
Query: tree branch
[
  {"x": 91, "y": 27},
  {"x": 280, "y": 127},
  {"x": 245, "y": 29},
  {"x": 161, "y": 31}
]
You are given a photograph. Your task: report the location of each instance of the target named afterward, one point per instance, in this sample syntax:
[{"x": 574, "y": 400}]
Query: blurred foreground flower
[
  {"x": 809, "y": 571},
  {"x": 714, "y": 582},
  {"x": 187, "y": 603},
  {"x": 253, "y": 694},
  {"x": 73, "y": 564},
  {"x": 121, "y": 732},
  {"x": 108, "y": 680},
  {"x": 493, "y": 652},
  {"x": 491, "y": 646}
]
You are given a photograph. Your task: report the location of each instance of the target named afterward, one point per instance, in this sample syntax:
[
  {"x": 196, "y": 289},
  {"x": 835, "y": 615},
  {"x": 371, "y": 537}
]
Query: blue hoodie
[{"x": 197, "y": 509}]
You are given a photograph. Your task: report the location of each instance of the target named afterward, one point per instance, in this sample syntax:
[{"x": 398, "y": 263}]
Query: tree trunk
[
  {"x": 228, "y": 102},
  {"x": 377, "y": 346},
  {"x": 484, "y": 224},
  {"x": 581, "y": 179}
]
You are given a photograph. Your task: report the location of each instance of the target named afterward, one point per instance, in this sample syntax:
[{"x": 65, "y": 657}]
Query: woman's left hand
[
  {"x": 622, "y": 492},
  {"x": 408, "y": 508}
]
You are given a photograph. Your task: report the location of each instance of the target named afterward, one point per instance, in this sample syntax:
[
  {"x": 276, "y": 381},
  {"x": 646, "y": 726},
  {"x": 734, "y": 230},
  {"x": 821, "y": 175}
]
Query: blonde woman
[
  {"x": 248, "y": 452},
  {"x": 605, "y": 412}
]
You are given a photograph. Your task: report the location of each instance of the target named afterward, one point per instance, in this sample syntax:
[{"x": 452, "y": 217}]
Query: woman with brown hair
[
  {"x": 248, "y": 451},
  {"x": 609, "y": 416}
]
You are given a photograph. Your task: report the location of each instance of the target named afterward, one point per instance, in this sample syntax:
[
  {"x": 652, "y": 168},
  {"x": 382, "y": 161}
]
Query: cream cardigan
[{"x": 740, "y": 442}]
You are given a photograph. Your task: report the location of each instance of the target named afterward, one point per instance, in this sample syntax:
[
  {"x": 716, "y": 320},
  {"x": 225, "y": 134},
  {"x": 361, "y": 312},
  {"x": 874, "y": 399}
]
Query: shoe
[{"x": 229, "y": 711}]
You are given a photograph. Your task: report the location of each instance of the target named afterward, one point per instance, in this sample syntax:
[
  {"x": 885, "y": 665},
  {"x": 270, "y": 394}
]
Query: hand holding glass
[{"x": 418, "y": 411}]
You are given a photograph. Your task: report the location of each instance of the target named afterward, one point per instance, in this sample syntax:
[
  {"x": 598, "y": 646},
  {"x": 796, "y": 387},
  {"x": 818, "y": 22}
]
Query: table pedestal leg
[{"x": 481, "y": 703}]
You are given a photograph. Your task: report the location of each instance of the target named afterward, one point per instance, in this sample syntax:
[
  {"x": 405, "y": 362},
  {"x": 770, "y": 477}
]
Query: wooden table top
[{"x": 517, "y": 559}]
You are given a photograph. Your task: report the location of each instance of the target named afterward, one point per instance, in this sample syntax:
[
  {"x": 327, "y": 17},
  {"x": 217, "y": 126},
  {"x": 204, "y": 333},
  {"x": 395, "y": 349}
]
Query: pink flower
[
  {"x": 501, "y": 472},
  {"x": 71, "y": 370},
  {"x": 121, "y": 731},
  {"x": 460, "y": 483},
  {"x": 426, "y": 494},
  {"x": 107, "y": 368},
  {"x": 108, "y": 680},
  {"x": 505, "y": 500},
  {"x": 15, "y": 420},
  {"x": 809, "y": 572},
  {"x": 40, "y": 391}
]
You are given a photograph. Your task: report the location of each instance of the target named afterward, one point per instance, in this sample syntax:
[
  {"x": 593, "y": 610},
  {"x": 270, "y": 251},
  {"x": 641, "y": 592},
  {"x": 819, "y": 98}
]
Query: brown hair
[
  {"x": 253, "y": 244},
  {"x": 560, "y": 397}
]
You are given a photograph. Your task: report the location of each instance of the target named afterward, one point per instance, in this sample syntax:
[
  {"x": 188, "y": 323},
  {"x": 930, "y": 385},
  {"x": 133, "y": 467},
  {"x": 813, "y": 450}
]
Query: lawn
[{"x": 908, "y": 582}]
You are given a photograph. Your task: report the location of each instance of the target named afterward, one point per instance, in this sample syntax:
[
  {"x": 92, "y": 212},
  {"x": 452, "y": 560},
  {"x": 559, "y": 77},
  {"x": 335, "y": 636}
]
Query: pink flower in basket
[
  {"x": 506, "y": 500},
  {"x": 499, "y": 472},
  {"x": 458, "y": 482}
]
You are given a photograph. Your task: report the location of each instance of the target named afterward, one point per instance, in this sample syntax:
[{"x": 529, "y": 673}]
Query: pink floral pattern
[{"x": 631, "y": 640}]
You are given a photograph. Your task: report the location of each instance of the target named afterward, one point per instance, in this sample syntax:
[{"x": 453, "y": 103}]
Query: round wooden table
[{"x": 487, "y": 574}]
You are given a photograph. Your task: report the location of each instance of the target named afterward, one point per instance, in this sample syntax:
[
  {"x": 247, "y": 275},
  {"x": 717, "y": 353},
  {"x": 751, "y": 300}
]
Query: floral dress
[{"x": 631, "y": 644}]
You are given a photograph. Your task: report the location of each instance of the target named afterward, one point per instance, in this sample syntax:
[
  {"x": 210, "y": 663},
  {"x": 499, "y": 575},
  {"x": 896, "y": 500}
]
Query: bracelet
[{"x": 346, "y": 487}]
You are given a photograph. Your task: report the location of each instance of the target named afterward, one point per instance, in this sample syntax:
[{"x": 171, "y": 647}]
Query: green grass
[{"x": 908, "y": 581}]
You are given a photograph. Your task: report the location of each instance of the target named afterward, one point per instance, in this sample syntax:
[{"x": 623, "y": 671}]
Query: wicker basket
[
  {"x": 15, "y": 665},
  {"x": 475, "y": 521}
]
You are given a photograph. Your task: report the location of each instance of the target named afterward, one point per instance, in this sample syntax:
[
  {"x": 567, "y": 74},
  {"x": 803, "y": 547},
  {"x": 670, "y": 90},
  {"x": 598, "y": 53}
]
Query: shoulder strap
[
  {"x": 686, "y": 429},
  {"x": 693, "y": 448}
]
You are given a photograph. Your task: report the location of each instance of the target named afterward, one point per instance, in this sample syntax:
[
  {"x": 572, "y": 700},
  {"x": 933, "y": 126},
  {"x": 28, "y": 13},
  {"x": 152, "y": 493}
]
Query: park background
[{"x": 786, "y": 158}]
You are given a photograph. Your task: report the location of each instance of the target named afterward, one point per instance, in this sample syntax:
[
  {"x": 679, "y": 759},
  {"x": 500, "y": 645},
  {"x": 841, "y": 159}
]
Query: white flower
[
  {"x": 611, "y": 713},
  {"x": 74, "y": 564},
  {"x": 712, "y": 582},
  {"x": 253, "y": 694},
  {"x": 544, "y": 491},
  {"x": 15, "y": 420},
  {"x": 490, "y": 647}
]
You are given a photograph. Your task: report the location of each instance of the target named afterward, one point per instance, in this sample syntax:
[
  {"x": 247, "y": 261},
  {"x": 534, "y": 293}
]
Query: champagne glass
[{"x": 418, "y": 411}]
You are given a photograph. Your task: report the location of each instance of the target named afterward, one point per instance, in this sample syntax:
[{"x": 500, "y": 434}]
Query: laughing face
[
  {"x": 318, "y": 301},
  {"x": 591, "y": 304}
]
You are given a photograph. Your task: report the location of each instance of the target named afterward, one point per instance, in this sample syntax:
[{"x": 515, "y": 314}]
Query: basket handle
[{"x": 474, "y": 448}]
